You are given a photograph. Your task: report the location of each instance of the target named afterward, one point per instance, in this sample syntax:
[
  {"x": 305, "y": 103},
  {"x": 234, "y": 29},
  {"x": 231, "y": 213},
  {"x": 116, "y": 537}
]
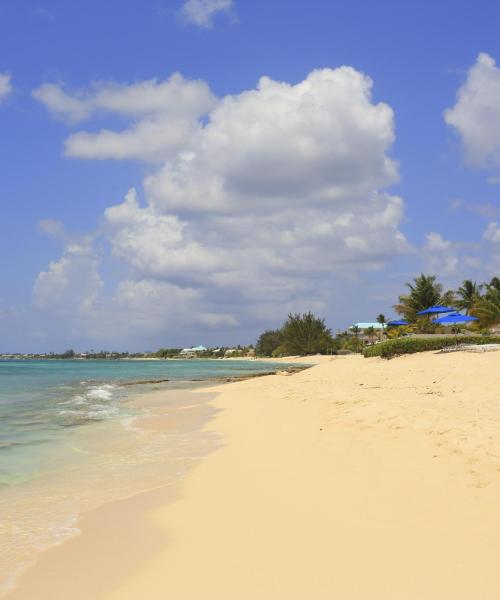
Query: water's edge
[{"x": 150, "y": 448}]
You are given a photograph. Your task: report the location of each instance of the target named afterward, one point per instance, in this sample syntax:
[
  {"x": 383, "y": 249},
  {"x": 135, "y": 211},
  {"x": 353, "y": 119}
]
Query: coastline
[{"x": 358, "y": 477}]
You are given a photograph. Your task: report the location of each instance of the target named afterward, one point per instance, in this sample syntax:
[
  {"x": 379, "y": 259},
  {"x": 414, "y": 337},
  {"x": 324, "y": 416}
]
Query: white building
[{"x": 190, "y": 352}]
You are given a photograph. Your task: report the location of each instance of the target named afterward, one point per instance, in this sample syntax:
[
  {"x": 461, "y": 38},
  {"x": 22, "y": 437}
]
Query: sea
[{"x": 69, "y": 442}]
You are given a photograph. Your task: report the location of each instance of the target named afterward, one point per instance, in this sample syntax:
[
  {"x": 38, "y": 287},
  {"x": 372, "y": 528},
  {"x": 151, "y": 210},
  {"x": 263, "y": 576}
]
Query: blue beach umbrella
[
  {"x": 455, "y": 319},
  {"x": 436, "y": 310},
  {"x": 399, "y": 323}
]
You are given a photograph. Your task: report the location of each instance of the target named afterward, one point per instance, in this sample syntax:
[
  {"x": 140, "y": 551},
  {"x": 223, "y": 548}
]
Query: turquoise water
[
  {"x": 40, "y": 400},
  {"x": 74, "y": 434}
]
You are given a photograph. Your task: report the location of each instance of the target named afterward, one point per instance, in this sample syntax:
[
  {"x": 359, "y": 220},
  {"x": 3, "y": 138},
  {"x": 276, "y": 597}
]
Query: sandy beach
[{"x": 355, "y": 479}]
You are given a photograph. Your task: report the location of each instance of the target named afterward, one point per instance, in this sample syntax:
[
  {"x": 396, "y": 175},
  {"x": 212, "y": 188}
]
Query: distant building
[
  {"x": 191, "y": 352},
  {"x": 363, "y": 326}
]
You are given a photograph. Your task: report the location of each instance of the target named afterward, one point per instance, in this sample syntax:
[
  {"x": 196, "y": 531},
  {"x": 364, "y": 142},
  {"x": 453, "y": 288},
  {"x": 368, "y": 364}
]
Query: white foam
[
  {"x": 100, "y": 393},
  {"x": 68, "y": 412},
  {"x": 76, "y": 401},
  {"x": 102, "y": 413}
]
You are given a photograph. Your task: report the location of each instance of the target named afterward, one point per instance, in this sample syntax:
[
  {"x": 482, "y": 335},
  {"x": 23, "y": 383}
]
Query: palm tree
[
  {"x": 468, "y": 295},
  {"x": 370, "y": 333},
  {"x": 494, "y": 283},
  {"x": 425, "y": 291},
  {"x": 381, "y": 319},
  {"x": 487, "y": 307}
]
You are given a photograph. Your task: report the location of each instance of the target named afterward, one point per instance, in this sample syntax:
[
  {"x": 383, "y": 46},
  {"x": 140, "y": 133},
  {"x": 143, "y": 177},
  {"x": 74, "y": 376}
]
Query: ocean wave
[
  {"x": 103, "y": 392},
  {"x": 75, "y": 401},
  {"x": 93, "y": 404},
  {"x": 102, "y": 413}
]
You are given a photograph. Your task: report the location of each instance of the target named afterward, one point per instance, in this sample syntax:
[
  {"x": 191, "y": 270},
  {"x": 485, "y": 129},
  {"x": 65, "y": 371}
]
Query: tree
[
  {"x": 425, "y": 291},
  {"x": 494, "y": 284},
  {"x": 370, "y": 333},
  {"x": 382, "y": 320},
  {"x": 268, "y": 342},
  {"x": 467, "y": 295},
  {"x": 305, "y": 334},
  {"x": 487, "y": 307}
]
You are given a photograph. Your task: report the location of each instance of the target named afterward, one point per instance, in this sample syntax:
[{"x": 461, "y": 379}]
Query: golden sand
[{"x": 356, "y": 479}]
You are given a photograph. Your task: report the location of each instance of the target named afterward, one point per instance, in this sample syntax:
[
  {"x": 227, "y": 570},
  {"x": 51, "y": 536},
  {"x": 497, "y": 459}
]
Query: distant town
[{"x": 163, "y": 353}]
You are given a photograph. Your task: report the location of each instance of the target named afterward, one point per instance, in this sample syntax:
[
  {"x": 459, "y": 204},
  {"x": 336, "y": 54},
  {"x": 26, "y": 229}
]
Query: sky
[{"x": 191, "y": 171}]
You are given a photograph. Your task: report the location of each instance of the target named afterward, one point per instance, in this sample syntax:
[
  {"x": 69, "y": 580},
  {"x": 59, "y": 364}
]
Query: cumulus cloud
[
  {"x": 440, "y": 254},
  {"x": 151, "y": 307},
  {"x": 476, "y": 114},
  {"x": 5, "y": 86},
  {"x": 257, "y": 201},
  {"x": 165, "y": 117},
  {"x": 70, "y": 285},
  {"x": 202, "y": 12},
  {"x": 155, "y": 244},
  {"x": 492, "y": 232},
  {"x": 173, "y": 98},
  {"x": 317, "y": 142}
]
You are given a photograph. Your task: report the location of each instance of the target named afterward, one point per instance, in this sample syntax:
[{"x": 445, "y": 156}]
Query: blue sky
[{"x": 245, "y": 205}]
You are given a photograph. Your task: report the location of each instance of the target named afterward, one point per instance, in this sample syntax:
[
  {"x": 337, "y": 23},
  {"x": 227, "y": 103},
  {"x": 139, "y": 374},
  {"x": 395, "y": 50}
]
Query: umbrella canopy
[
  {"x": 455, "y": 319},
  {"x": 399, "y": 323},
  {"x": 436, "y": 309}
]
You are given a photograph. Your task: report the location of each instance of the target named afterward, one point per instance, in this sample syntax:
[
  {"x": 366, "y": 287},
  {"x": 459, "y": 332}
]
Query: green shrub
[
  {"x": 400, "y": 346},
  {"x": 353, "y": 344}
]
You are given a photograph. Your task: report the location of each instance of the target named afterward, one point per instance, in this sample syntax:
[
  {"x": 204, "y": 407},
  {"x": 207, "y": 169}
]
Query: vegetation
[
  {"x": 370, "y": 333},
  {"x": 300, "y": 334},
  {"x": 168, "y": 353},
  {"x": 268, "y": 342},
  {"x": 467, "y": 295},
  {"x": 305, "y": 334},
  {"x": 487, "y": 307},
  {"x": 398, "y": 346},
  {"x": 425, "y": 291},
  {"x": 350, "y": 344}
]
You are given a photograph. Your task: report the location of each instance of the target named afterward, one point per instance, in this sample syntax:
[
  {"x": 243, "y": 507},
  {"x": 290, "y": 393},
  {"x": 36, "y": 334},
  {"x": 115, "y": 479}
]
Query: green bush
[
  {"x": 400, "y": 346},
  {"x": 353, "y": 344}
]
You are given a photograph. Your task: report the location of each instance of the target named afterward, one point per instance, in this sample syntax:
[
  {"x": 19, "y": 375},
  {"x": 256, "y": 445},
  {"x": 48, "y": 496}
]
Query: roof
[
  {"x": 367, "y": 325},
  {"x": 195, "y": 349}
]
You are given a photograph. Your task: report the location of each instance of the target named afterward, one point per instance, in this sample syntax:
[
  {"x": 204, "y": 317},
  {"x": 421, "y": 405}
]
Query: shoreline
[
  {"x": 40, "y": 509},
  {"x": 356, "y": 466}
]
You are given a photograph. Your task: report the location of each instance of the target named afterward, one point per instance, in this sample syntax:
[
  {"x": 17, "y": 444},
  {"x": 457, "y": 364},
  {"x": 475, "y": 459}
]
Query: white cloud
[
  {"x": 5, "y": 86},
  {"x": 202, "y": 12},
  {"x": 440, "y": 254},
  {"x": 165, "y": 117},
  {"x": 476, "y": 114},
  {"x": 70, "y": 285},
  {"x": 492, "y": 232},
  {"x": 154, "y": 244},
  {"x": 259, "y": 205},
  {"x": 149, "y": 305},
  {"x": 51, "y": 227},
  {"x": 317, "y": 142},
  {"x": 173, "y": 98}
]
